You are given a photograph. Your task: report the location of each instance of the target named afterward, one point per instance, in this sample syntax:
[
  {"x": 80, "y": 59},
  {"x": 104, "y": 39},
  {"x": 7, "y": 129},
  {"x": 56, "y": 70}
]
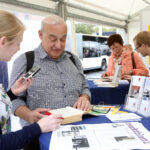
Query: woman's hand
[
  {"x": 126, "y": 77},
  {"x": 104, "y": 75},
  {"x": 21, "y": 85},
  {"x": 50, "y": 123}
]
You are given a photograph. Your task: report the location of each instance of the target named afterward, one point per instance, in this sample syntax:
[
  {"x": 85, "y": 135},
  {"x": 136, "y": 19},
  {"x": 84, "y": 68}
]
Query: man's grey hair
[{"x": 53, "y": 20}]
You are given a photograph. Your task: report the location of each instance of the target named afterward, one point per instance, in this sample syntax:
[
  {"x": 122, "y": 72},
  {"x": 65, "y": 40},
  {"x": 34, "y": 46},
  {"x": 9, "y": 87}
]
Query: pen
[{"x": 48, "y": 113}]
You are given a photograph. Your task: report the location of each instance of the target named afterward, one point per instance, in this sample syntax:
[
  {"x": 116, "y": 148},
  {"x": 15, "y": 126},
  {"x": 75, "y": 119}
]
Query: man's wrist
[
  {"x": 24, "y": 113},
  {"x": 85, "y": 95}
]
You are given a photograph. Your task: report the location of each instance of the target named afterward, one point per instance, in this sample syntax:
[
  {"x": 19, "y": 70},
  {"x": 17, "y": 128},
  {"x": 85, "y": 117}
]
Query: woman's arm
[
  {"x": 140, "y": 67},
  {"x": 18, "y": 139}
]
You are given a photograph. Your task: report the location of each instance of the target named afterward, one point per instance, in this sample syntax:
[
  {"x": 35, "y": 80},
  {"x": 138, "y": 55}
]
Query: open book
[
  {"x": 110, "y": 82},
  {"x": 71, "y": 114}
]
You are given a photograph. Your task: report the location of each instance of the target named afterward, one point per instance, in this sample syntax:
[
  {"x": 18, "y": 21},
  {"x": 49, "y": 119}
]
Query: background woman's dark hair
[{"x": 115, "y": 38}]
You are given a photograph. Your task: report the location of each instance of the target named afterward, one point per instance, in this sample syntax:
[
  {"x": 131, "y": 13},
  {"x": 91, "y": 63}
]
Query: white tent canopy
[
  {"x": 123, "y": 9},
  {"x": 107, "y": 12},
  {"x": 122, "y": 14}
]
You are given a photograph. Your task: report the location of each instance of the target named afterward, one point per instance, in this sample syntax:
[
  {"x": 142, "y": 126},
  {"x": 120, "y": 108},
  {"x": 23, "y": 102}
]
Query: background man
[
  {"x": 142, "y": 43},
  {"x": 59, "y": 83}
]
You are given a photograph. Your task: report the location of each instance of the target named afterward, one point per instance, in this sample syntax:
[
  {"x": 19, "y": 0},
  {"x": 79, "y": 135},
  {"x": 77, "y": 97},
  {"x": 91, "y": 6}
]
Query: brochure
[
  {"x": 145, "y": 103},
  {"x": 135, "y": 93},
  {"x": 125, "y": 117}
]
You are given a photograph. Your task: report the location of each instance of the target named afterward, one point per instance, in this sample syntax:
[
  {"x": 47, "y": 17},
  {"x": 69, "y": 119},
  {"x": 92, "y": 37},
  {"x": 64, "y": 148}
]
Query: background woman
[{"x": 121, "y": 55}]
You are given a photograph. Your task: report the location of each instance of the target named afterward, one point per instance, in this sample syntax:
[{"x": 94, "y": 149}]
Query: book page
[
  {"x": 67, "y": 111},
  {"x": 117, "y": 73}
]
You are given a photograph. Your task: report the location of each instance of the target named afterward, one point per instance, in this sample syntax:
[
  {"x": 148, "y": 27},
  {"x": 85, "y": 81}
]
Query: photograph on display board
[
  {"x": 134, "y": 92},
  {"x": 146, "y": 92}
]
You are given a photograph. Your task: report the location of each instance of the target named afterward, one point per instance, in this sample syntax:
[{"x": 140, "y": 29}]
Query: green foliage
[
  {"x": 108, "y": 29},
  {"x": 96, "y": 29},
  {"x": 85, "y": 28},
  {"x": 90, "y": 29}
]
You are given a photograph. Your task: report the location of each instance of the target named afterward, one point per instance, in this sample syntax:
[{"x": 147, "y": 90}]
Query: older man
[{"x": 59, "y": 83}]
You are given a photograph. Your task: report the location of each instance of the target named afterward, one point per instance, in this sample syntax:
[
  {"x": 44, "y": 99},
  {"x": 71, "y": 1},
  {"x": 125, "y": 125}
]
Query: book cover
[{"x": 97, "y": 110}]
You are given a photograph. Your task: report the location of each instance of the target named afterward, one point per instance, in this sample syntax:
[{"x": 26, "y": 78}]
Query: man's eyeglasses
[{"x": 136, "y": 49}]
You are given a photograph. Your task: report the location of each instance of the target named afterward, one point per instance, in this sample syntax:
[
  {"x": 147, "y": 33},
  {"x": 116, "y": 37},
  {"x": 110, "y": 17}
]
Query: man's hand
[
  {"x": 83, "y": 102},
  {"x": 37, "y": 114},
  {"x": 21, "y": 85},
  {"x": 30, "y": 115}
]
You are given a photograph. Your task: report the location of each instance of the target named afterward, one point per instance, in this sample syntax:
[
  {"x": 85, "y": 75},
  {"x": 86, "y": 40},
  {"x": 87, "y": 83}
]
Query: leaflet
[
  {"x": 107, "y": 136},
  {"x": 124, "y": 117}
]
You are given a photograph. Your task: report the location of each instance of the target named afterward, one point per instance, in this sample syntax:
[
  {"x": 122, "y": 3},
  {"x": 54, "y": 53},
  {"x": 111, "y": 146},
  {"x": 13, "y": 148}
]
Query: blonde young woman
[{"x": 11, "y": 32}]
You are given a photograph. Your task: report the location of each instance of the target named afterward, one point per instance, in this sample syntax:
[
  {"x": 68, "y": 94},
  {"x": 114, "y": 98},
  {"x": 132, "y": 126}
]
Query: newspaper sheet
[{"x": 107, "y": 136}]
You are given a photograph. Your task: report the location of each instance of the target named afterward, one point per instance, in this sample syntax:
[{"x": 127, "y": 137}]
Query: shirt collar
[{"x": 43, "y": 54}]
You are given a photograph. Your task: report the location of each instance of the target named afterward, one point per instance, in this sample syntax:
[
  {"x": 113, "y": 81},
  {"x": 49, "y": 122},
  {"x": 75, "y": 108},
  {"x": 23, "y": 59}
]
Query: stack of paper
[
  {"x": 101, "y": 83},
  {"x": 124, "y": 117}
]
